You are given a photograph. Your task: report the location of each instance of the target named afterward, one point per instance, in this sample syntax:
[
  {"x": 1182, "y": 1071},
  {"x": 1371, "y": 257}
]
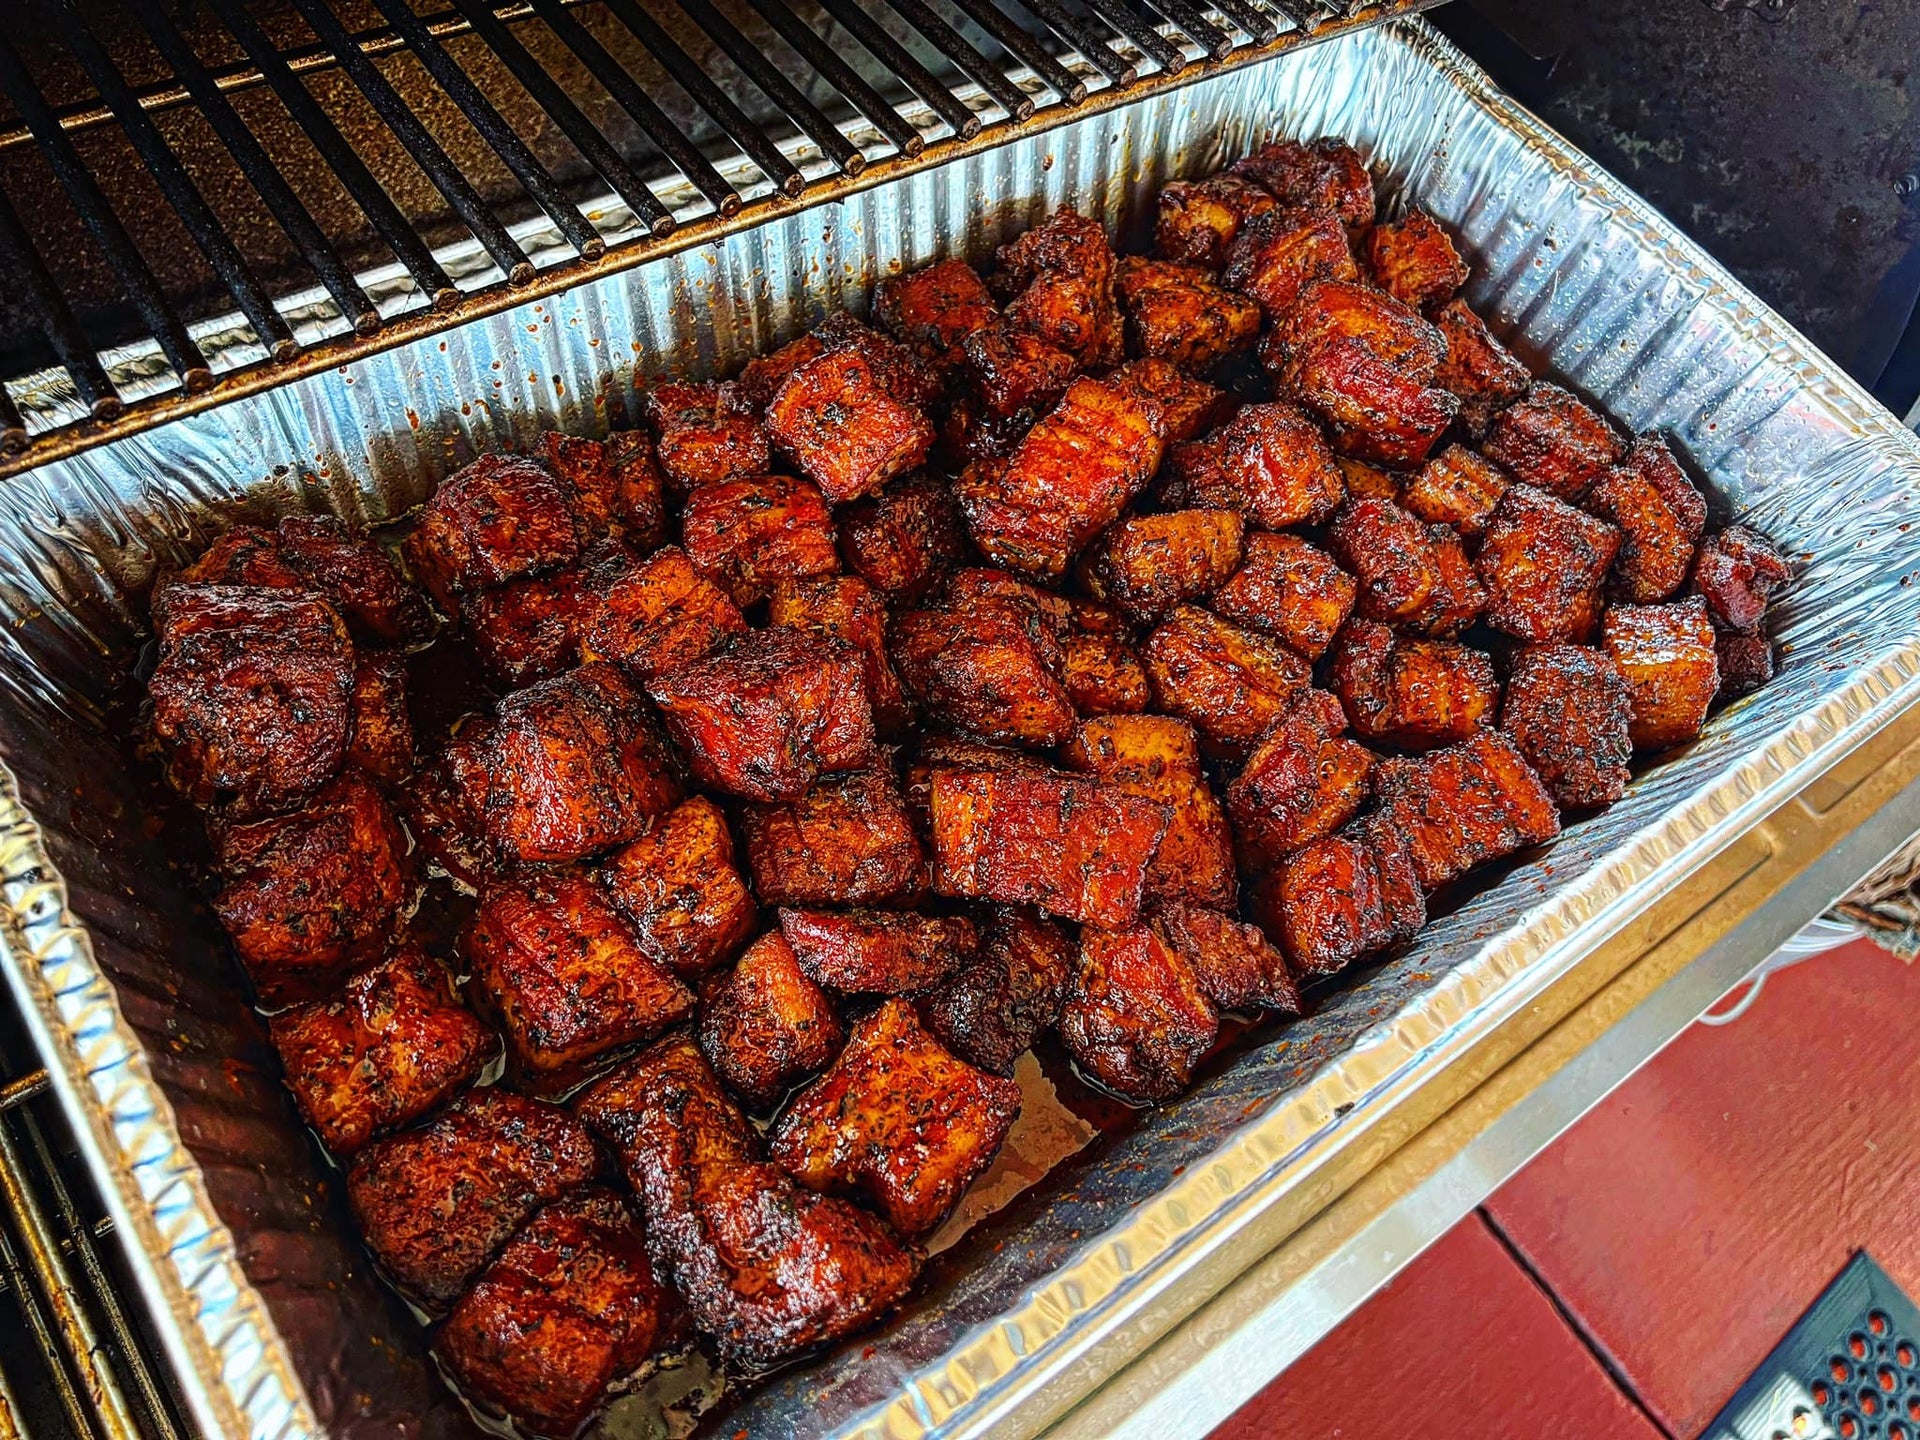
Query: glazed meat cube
[
  {"x": 391, "y": 1046},
  {"x": 526, "y": 630},
  {"x": 1478, "y": 370},
  {"x": 1414, "y": 261},
  {"x": 904, "y": 540},
  {"x": 1158, "y": 758},
  {"x": 653, "y": 615},
  {"x": 1737, "y": 573},
  {"x": 244, "y": 555},
  {"x": 1268, "y": 463},
  {"x": 1373, "y": 409},
  {"x": 1553, "y": 441},
  {"x": 1746, "y": 663},
  {"x": 253, "y": 694},
  {"x": 680, "y": 892},
  {"x": 899, "y": 1119},
  {"x": 309, "y": 892},
  {"x": 1457, "y": 488},
  {"x": 770, "y": 712},
  {"x": 1323, "y": 174},
  {"x": 1300, "y": 784},
  {"x": 435, "y": 1202},
  {"x": 1176, "y": 405},
  {"x": 847, "y": 841},
  {"x": 1013, "y": 372},
  {"x": 1568, "y": 710},
  {"x": 382, "y": 743},
  {"x": 1394, "y": 558},
  {"x": 767, "y": 1026},
  {"x": 1543, "y": 563},
  {"x": 446, "y": 804},
  {"x": 986, "y": 669},
  {"x": 991, "y": 1010},
  {"x": 967, "y": 434},
  {"x": 764, "y": 1265},
  {"x": 616, "y": 485},
  {"x": 1146, "y": 564},
  {"x": 847, "y": 609},
  {"x": 1459, "y": 807},
  {"x": 1104, "y": 676},
  {"x": 1231, "y": 683},
  {"x": 1331, "y": 312},
  {"x": 1288, "y": 589},
  {"x": 355, "y": 574},
  {"x": 878, "y": 952},
  {"x": 498, "y": 519},
  {"x": 1237, "y": 967},
  {"x": 1136, "y": 1019},
  {"x": 1074, "y": 848},
  {"x": 706, "y": 434},
  {"x": 1198, "y": 220},
  {"x": 570, "y": 1306},
  {"x": 1666, "y": 654},
  {"x": 906, "y": 377},
  {"x": 956, "y": 752},
  {"x": 935, "y": 308},
  {"x": 1368, "y": 481},
  {"x": 1412, "y": 694},
  {"x": 1181, "y": 313},
  {"x": 1659, "y": 515},
  {"x": 1342, "y": 897},
  {"x": 746, "y": 534},
  {"x": 565, "y": 977},
  {"x": 1458, "y": 597},
  {"x": 761, "y": 377},
  {"x": 1276, "y": 256},
  {"x": 1062, "y": 270},
  {"x": 836, "y": 421}
]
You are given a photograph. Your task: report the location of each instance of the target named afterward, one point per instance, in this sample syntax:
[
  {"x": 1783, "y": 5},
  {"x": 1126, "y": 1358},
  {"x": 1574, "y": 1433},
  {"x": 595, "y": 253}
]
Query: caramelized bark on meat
[
  {"x": 391, "y": 1046},
  {"x": 1231, "y": 683},
  {"x": 1746, "y": 663},
  {"x": 1369, "y": 481},
  {"x": 878, "y": 952},
  {"x": 615, "y": 485},
  {"x": 1342, "y": 897},
  {"x": 1013, "y": 372},
  {"x": 500, "y": 518},
  {"x": 570, "y": 1306},
  {"x": 445, "y": 804},
  {"x": 768, "y": 714},
  {"x": 1300, "y": 784},
  {"x": 1659, "y": 515},
  {"x": 1459, "y": 807},
  {"x": 991, "y": 1010},
  {"x": 1666, "y": 655},
  {"x": 705, "y": 434},
  {"x": 529, "y": 629},
  {"x": 835, "y": 419},
  {"x": 904, "y": 374},
  {"x": 904, "y": 540},
  {"x": 1182, "y": 314},
  {"x": 435, "y": 1202},
  {"x": 1158, "y": 758},
  {"x": 746, "y": 534},
  {"x": 309, "y": 892},
  {"x": 1323, "y": 174},
  {"x": 1177, "y": 406},
  {"x": 1457, "y": 487},
  {"x": 761, "y": 377},
  {"x": 957, "y": 752},
  {"x": 1414, "y": 260},
  {"x": 1543, "y": 563},
  {"x": 764, "y": 1265},
  {"x": 244, "y": 555},
  {"x": 355, "y": 574},
  {"x": 1413, "y": 694},
  {"x": 252, "y": 697},
  {"x": 992, "y": 667},
  {"x": 1236, "y": 966},
  {"x": 1333, "y": 311},
  {"x": 1197, "y": 221},
  {"x": 1062, "y": 271},
  {"x": 1268, "y": 463},
  {"x": 848, "y": 609},
  {"x": 1568, "y": 710},
  {"x": 1277, "y": 255},
  {"x": 935, "y": 308},
  {"x": 1286, "y": 588},
  {"x": 653, "y": 615},
  {"x": 1145, "y": 564},
  {"x": 847, "y": 841},
  {"x": 766, "y": 1026},
  {"x": 382, "y": 743},
  {"x": 1403, "y": 578},
  {"x": 565, "y": 977},
  {"x": 1074, "y": 848},
  {"x": 1104, "y": 675},
  {"x": 1136, "y": 1019},
  {"x": 679, "y": 890},
  {"x": 1737, "y": 574},
  {"x": 1373, "y": 408},
  {"x": 1553, "y": 441},
  {"x": 1478, "y": 370}
]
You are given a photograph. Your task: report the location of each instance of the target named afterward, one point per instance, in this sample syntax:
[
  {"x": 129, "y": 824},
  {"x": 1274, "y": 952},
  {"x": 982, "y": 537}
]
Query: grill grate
[{"x": 197, "y": 200}]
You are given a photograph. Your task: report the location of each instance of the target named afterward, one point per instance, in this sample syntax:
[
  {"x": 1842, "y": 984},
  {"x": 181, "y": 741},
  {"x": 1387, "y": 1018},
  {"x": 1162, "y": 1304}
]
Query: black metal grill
[{"x": 203, "y": 197}]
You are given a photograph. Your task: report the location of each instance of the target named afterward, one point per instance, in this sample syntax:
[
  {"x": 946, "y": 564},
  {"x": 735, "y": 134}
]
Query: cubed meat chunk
[
  {"x": 836, "y": 421},
  {"x": 1543, "y": 563},
  {"x": 1231, "y": 683},
  {"x": 1659, "y": 514},
  {"x": 1300, "y": 784},
  {"x": 500, "y": 518},
  {"x": 615, "y": 485},
  {"x": 1136, "y": 1020},
  {"x": 933, "y": 309},
  {"x": 1746, "y": 663},
  {"x": 1197, "y": 221},
  {"x": 391, "y": 1046},
  {"x": 768, "y": 714},
  {"x": 1462, "y": 806},
  {"x": 1158, "y": 758},
  {"x": 847, "y": 841},
  {"x": 445, "y": 804},
  {"x": 1268, "y": 463},
  {"x": 1410, "y": 573},
  {"x": 1277, "y": 255},
  {"x": 563, "y": 974},
  {"x": 992, "y": 668},
  {"x": 1104, "y": 675},
  {"x": 1333, "y": 312},
  {"x": 766, "y": 1026},
  {"x": 1414, "y": 260},
  {"x": 761, "y": 377},
  {"x": 907, "y": 377},
  {"x": 848, "y": 609},
  {"x": 956, "y": 752},
  {"x": 1340, "y": 898},
  {"x": 1145, "y": 564},
  {"x": 654, "y": 615},
  {"x": 1737, "y": 574},
  {"x": 705, "y": 434},
  {"x": 746, "y": 534},
  {"x": 904, "y": 540},
  {"x": 991, "y": 1010},
  {"x": 355, "y": 574},
  {"x": 1237, "y": 967},
  {"x": 878, "y": 952},
  {"x": 434, "y": 1203},
  {"x": 1666, "y": 655},
  {"x": 1290, "y": 590},
  {"x": 1181, "y": 313},
  {"x": 1553, "y": 441},
  {"x": 764, "y": 1265},
  {"x": 1323, "y": 174},
  {"x": 1177, "y": 406},
  {"x": 526, "y": 630},
  {"x": 1368, "y": 481},
  {"x": 680, "y": 892},
  {"x": 1373, "y": 408},
  {"x": 1458, "y": 487},
  {"x": 1412, "y": 694},
  {"x": 1013, "y": 372},
  {"x": 1062, "y": 274},
  {"x": 245, "y": 555},
  {"x": 1569, "y": 711},
  {"x": 1480, "y": 372},
  {"x": 382, "y": 743}
]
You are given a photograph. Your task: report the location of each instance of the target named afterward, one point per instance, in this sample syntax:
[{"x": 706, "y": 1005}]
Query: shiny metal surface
[{"x": 1038, "y": 1307}]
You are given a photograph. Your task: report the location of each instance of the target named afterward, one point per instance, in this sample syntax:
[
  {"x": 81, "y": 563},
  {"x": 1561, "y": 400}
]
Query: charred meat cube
[
  {"x": 705, "y": 434},
  {"x": 679, "y": 890},
  {"x": 382, "y": 743},
  {"x": 1659, "y": 515},
  {"x": 1373, "y": 409},
  {"x": 1543, "y": 563},
  {"x": 311, "y": 891},
  {"x": 1413, "y": 694},
  {"x": 244, "y": 555},
  {"x": 498, "y": 519},
  {"x": 1268, "y": 463},
  {"x": 847, "y": 841},
  {"x": 526, "y": 630},
  {"x": 1414, "y": 260},
  {"x": 1458, "y": 597},
  {"x": 935, "y": 308},
  {"x": 570, "y": 1306},
  {"x": 1300, "y": 784},
  {"x": 1367, "y": 481},
  {"x": 904, "y": 540},
  {"x": 1342, "y": 897},
  {"x": 615, "y": 484},
  {"x": 639, "y": 489},
  {"x": 391, "y": 1046},
  {"x": 767, "y": 1026},
  {"x": 1182, "y": 314},
  {"x": 1013, "y": 372},
  {"x": 991, "y": 1010},
  {"x": 1746, "y": 663},
  {"x": 956, "y": 752},
  {"x": 1277, "y": 255},
  {"x": 1158, "y": 758},
  {"x": 565, "y": 976},
  {"x": 768, "y": 714},
  {"x": 1104, "y": 676},
  {"x": 1236, "y": 966},
  {"x": 899, "y": 1119},
  {"x": 992, "y": 669},
  {"x": 1231, "y": 683},
  {"x": 1062, "y": 271},
  {"x": 446, "y": 804},
  {"x": 836, "y": 421},
  {"x": 905, "y": 375},
  {"x": 1553, "y": 441},
  {"x": 1666, "y": 654},
  {"x": 1288, "y": 589},
  {"x": 1458, "y": 488},
  {"x": 1737, "y": 572},
  {"x": 253, "y": 694},
  {"x": 653, "y": 615},
  {"x": 1177, "y": 406},
  {"x": 1075, "y": 848},
  {"x": 849, "y": 610},
  {"x": 1323, "y": 174},
  {"x": 1331, "y": 312},
  {"x": 1459, "y": 807},
  {"x": 1478, "y": 370},
  {"x": 1136, "y": 1019},
  {"x": 1568, "y": 710},
  {"x": 1198, "y": 220},
  {"x": 746, "y": 534},
  {"x": 1146, "y": 564},
  {"x": 1392, "y": 555},
  {"x": 355, "y": 574},
  {"x": 761, "y": 377},
  {"x": 878, "y": 952},
  {"x": 765, "y": 1266},
  {"x": 435, "y": 1202}
]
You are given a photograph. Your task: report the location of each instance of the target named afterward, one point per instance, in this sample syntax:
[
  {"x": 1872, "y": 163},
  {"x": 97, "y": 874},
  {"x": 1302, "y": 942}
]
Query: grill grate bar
[
  {"x": 843, "y": 77},
  {"x": 1214, "y": 42},
  {"x": 1094, "y": 50},
  {"x": 987, "y": 75},
  {"x": 1252, "y": 21},
  {"x": 889, "y": 52},
  {"x": 988, "y": 16},
  {"x": 19, "y": 260},
  {"x": 1124, "y": 18}
]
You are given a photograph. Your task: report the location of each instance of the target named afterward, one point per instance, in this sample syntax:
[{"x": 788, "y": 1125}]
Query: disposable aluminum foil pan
[{"x": 274, "y": 1325}]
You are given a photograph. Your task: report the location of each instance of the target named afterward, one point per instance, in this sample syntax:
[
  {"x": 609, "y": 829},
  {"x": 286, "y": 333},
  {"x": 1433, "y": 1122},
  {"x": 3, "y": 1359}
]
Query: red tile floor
[{"x": 1628, "y": 1281}]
